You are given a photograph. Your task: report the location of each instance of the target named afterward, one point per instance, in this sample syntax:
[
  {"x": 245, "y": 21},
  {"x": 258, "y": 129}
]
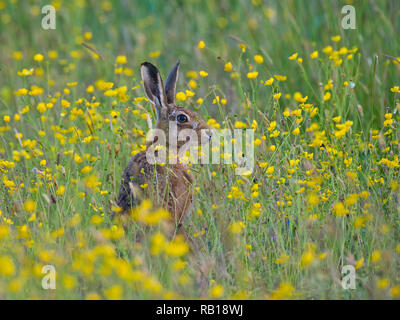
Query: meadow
[{"x": 324, "y": 105}]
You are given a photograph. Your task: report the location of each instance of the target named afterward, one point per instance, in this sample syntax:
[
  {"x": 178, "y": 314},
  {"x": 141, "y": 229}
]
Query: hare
[{"x": 170, "y": 185}]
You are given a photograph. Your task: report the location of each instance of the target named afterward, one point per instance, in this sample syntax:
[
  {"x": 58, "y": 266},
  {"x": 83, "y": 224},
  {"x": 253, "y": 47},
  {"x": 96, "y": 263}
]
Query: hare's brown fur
[
  {"x": 168, "y": 186},
  {"x": 171, "y": 185}
]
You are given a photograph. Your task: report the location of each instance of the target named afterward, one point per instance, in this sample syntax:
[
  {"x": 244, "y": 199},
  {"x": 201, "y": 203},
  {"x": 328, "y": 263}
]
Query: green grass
[{"x": 291, "y": 247}]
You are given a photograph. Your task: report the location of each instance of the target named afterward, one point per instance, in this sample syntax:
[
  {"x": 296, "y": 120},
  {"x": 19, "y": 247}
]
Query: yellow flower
[
  {"x": 395, "y": 291},
  {"x": 201, "y": 45},
  {"x": 237, "y": 227},
  {"x": 395, "y": 89},
  {"x": 18, "y": 55},
  {"x": 216, "y": 291},
  {"x": 351, "y": 175},
  {"x": 277, "y": 96},
  {"x": 228, "y": 67},
  {"x": 92, "y": 296},
  {"x": 336, "y": 38},
  {"x": 65, "y": 103},
  {"x": 360, "y": 222},
  {"x": 365, "y": 194},
  {"x": 69, "y": 282},
  {"x": 192, "y": 84},
  {"x": 77, "y": 158},
  {"x": 307, "y": 258},
  {"x": 314, "y": 55},
  {"x": 25, "y": 72},
  {"x": 87, "y": 35},
  {"x": 154, "y": 54},
  {"x": 296, "y": 131},
  {"x": 388, "y": 116},
  {"x": 269, "y": 81},
  {"x": 359, "y": 263},
  {"x": 121, "y": 60},
  {"x": 259, "y": 59},
  {"x": 86, "y": 169},
  {"x": 252, "y": 75},
  {"x": 313, "y": 199},
  {"x": 376, "y": 256},
  {"x": 72, "y": 84},
  {"x": 282, "y": 259},
  {"x": 338, "y": 62},
  {"x": 4, "y": 231},
  {"x": 16, "y": 285},
  {"x": 30, "y": 205},
  {"x": 7, "y": 267},
  {"x": 60, "y": 191},
  {"x": 382, "y": 283},
  {"x": 114, "y": 233},
  {"x": 179, "y": 264},
  {"x": 177, "y": 247},
  {"x": 157, "y": 243},
  {"x": 144, "y": 215},
  {"x": 92, "y": 182},
  {"x": 240, "y": 125},
  {"x": 270, "y": 170},
  {"x": 96, "y": 220},
  {"x": 90, "y": 89},
  {"x": 192, "y": 74},
  {"x": 181, "y": 96},
  {"x": 41, "y": 107},
  {"x": 114, "y": 292},
  {"x": 299, "y": 97},
  {"x": 327, "y": 50},
  {"x": 327, "y": 96},
  {"x": 293, "y": 56},
  {"x": 351, "y": 200},
  {"x": 283, "y": 292},
  {"x": 339, "y": 209},
  {"x": 203, "y": 74},
  {"x": 280, "y": 78},
  {"x": 189, "y": 93},
  {"x": 38, "y": 57},
  {"x": 263, "y": 164},
  {"x": 81, "y": 195},
  {"x": 322, "y": 256}
]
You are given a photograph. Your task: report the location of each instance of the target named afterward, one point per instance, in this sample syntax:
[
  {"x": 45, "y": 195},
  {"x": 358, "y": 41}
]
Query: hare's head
[{"x": 169, "y": 114}]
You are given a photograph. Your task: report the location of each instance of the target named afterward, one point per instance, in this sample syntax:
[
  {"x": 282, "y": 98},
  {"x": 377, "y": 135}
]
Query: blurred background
[
  {"x": 323, "y": 102},
  {"x": 162, "y": 32}
]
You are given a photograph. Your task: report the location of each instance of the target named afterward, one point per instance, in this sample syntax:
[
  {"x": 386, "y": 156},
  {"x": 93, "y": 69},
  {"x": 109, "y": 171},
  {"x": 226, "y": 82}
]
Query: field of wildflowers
[{"x": 324, "y": 105}]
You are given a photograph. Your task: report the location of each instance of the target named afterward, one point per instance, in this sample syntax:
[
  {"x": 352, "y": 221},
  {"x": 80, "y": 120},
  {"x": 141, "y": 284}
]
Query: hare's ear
[
  {"x": 170, "y": 83},
  {"x": 154, "y": 88}
]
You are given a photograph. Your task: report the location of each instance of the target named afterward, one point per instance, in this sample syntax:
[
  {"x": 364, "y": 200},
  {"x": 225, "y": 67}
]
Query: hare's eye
[{"x": 182, "y": 118}]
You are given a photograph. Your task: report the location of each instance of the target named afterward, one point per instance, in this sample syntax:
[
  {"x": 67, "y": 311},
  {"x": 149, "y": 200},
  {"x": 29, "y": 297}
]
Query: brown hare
[{"x": 169, "y": 185}]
